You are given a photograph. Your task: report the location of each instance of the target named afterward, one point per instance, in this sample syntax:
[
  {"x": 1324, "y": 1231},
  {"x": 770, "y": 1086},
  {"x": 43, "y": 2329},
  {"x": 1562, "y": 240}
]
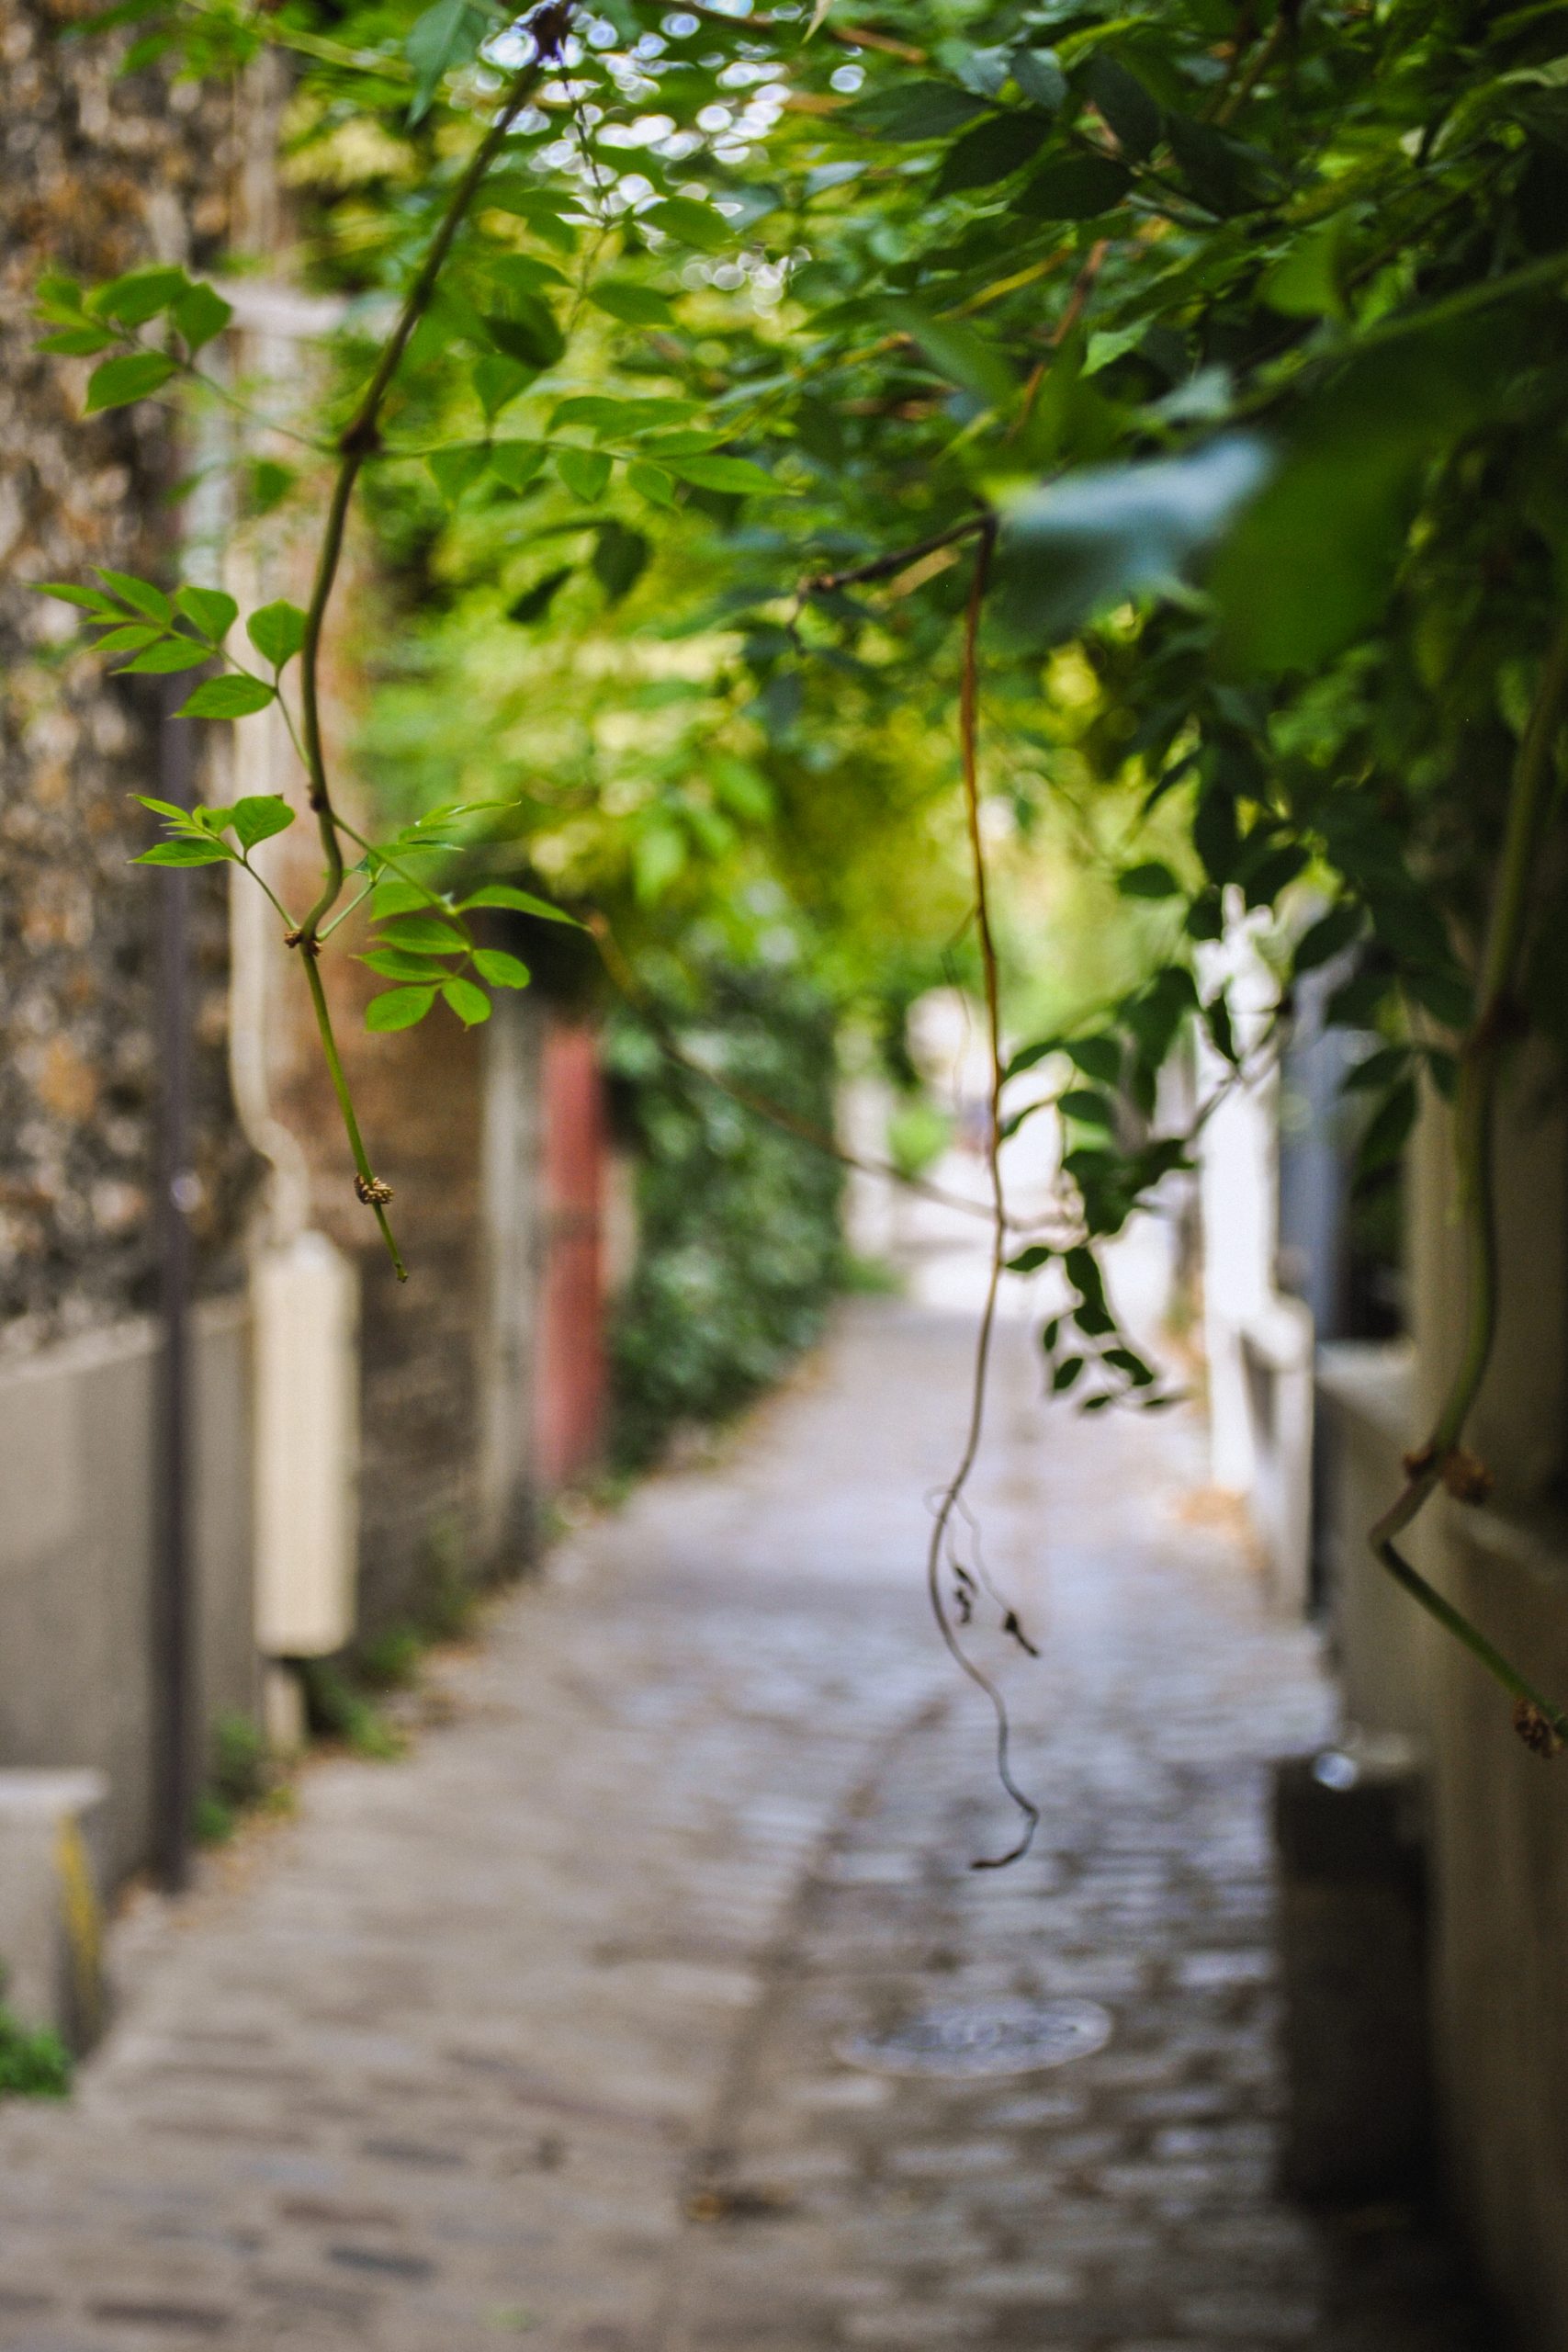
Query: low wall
[
  {"x": 1498, "y": 1853},
  {"x": 78, "y": 1515},
  {"x": 1500, "y": 1961}
]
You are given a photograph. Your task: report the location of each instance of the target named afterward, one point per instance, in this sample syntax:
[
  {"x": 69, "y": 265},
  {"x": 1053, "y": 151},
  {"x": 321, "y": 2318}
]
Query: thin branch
[
  {"x": 1441, "y": 1461},
  {"x": 370, "y": 1188},
  {"x": 362, "y": 435},
  {"x": 1235, "y": 98},
  {"x": 882, "y": 567},
  {"x": 244, "y": 859}
]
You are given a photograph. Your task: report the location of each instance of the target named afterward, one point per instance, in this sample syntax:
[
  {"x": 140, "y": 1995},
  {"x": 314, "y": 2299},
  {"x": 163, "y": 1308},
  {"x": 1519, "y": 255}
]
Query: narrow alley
[{"x": 549, "y": 2029}]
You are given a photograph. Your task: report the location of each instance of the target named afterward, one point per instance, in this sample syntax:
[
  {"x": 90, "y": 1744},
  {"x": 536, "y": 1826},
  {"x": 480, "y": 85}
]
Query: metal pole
[{"x": 174, "y": 1782}]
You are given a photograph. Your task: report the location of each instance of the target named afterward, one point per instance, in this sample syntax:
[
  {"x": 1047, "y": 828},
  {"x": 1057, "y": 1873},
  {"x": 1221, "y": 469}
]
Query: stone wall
[
  {"x": 1499, "y": 1843},
  {"x": 79, "y": 1521},
  {"x": 97, "y": 174}
]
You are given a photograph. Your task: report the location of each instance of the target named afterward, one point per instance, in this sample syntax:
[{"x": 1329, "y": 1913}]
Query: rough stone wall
[{"x": 97, "y": 174}]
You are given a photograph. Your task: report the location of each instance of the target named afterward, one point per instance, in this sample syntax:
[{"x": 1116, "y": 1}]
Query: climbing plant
[
  {"x": 1181, "y": 382},
  {"x": 738, "y": 1219}
]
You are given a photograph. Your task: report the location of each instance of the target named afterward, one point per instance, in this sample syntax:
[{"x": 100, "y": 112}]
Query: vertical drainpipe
[{"x": 172, "y": 1613}]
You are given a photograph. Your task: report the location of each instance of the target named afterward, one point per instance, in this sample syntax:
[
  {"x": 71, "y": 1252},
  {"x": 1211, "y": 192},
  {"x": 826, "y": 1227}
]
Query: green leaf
[
  {"x": 1077, "y": 187},
  {"x": 1206, "y": 916},
  {"x": 399, "y": 897},
  {"x": 56, "y": 291},
  {"x": 1098, "y": 1057},
  {"x": 1446, "y": 996},
  {"x": 516, "y": 462},
  {"x": 1153, "y": 880},
  {"x": 1376, "y": 1070},
  {"x": 446, "y": 35},
  {"x": 527, "y": 332},
  {"x": 1135, "y": 116},
  {"x": 689, "y": 441},
  {"x": 131, "y": 378},
  {"x": 1265, "y": 879},
  {"x": 78, "y": 343},
  {"x": 1225, "y": 175},
  {"x": 915, "y": 111},
  {"x": 1027, "y": 1055},
  {"x": 984, "y": 70},
  {"x": 651, "y": 482},
  {"x": 167, "y": 656},
  {"x": 422, "y": 935},
  {"x": 467, "y": 1000},
  {"x": 541, "y": 207},
  {"x": 505, "y": 894},
  {"x": 1066, "y": 1373},
  {"x": 453, "y": 470},
  {"x": 140, "y": 594},
  {"x": 259, "y": 816},
  {"x": 957, "y": 352},
  {"x": 1311, "y": 562},
  {"x": 535, "y": 602},
  {"x": 137, "y": 297},
  {"x": 210, "y": 852},
  {"x": 525, "y": 274},
  {"x": 200, "y": 315},
  {"x": 634, "y": 305},
  {"x": 1029, "y": 1261},
  {"x": 277, "y": 631},
  {"x": 1038, "y": 73},
  {"x": 208, "y": 610},
  {"x": 267, "y": 484},
  {"x": 502, "y": 970},
  {"x": 392, "y": 965},
  {"x": 128, "y": 639},
  {"x": 1082, "y": 1268},
  {"x": 1083, "y": 1102},
  {"x": 1096, "y": 538},
  {"x": 1328, "y": 937},
  {"x": 736, "y": 474},
  {"x": 398, "y": 1008},
  {"x": 992, "y": 150},
  {"x": 690, "y": 223},
  {"x": 232, "y": 697},
  {"x": 1389, "y": 1130},
  {"x": 585, "y": 472},
  {"x": 91, "y": 600},
  {"x": 169, "y": 808},
  {"x": 1136, "y": 1370},
  {"x": 1107, "y": 344},
  {"x": 1305, "y": 283},
  {"x": 498, "y": 380},
  {"x": 620, "y": 559}
]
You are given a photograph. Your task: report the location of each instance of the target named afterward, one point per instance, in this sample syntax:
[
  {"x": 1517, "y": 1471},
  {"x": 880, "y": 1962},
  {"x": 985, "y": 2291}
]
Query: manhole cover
[{"x": 977, "y": 2038}]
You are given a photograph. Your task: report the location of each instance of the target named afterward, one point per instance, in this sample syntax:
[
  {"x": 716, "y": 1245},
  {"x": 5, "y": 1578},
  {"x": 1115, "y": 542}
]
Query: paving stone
[{"x": 461, "y": 2055}]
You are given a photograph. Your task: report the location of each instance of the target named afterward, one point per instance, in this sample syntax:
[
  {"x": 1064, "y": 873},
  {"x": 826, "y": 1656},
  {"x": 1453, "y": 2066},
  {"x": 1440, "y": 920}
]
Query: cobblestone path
[{"x": 532, "y": 2035}]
